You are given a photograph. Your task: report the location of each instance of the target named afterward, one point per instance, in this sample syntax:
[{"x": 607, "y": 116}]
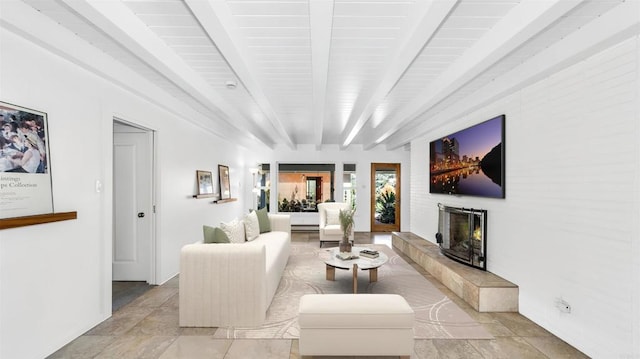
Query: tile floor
[
  {"x": 148, "y": 328},
  {"x": 123, "y": 293}
]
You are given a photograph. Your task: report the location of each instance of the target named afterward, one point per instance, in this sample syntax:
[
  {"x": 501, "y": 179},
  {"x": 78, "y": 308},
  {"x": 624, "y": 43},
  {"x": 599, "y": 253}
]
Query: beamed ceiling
[{"x": 327, "y": 72}]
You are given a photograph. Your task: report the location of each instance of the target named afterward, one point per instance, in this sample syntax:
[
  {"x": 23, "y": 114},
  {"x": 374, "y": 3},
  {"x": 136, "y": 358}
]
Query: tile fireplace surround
[{"x": 484, "y": 291}]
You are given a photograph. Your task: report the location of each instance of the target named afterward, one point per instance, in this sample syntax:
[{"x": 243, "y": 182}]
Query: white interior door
[{"x": 132, "y": 217}]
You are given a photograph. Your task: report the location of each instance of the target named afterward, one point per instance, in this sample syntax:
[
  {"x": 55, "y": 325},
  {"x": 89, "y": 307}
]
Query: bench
[{"x": 355, "y": 324}]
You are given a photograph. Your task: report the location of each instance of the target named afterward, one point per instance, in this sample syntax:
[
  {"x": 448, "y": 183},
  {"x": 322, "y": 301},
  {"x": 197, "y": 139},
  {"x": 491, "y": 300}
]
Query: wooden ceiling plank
[
  {"x": 218, "y": 21},
  {"x": 607, "y": 30},
  {"x": 525, "y": 20},
  {"x": 124, "y": 27},
  {"x": 408, "y": 50}
]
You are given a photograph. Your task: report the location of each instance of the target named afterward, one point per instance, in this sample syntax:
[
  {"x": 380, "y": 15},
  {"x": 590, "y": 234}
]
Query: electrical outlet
[{"x": 563, "y": 306}]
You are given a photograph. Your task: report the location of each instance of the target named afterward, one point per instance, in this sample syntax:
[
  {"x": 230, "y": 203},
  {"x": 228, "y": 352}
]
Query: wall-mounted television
[{"x": 469, "y": 162}]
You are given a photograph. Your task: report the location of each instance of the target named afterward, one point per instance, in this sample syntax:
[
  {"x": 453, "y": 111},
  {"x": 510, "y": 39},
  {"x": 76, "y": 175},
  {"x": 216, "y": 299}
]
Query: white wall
[
  {"x": 362, "y": 159},
  {"x": 55, "y": 279},
  {"x": 568, "y": 227}
]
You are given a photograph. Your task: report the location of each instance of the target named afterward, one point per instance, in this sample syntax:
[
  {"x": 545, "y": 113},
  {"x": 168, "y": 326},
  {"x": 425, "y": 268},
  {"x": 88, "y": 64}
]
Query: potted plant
[{"x": 346, "y": 224}]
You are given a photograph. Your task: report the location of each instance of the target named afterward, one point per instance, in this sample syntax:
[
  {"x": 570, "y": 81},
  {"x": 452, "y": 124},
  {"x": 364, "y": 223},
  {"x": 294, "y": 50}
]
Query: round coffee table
[{"x": 364, "y": 263}]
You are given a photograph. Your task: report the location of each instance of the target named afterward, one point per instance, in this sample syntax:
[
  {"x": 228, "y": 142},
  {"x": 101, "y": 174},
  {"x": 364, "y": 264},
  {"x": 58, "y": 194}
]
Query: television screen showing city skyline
[{"x": 470, "y": 161}]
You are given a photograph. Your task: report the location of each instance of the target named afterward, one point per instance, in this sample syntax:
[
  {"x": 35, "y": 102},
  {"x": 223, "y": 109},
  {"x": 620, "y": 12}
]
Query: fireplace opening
[{"x": 462, "y": 235}]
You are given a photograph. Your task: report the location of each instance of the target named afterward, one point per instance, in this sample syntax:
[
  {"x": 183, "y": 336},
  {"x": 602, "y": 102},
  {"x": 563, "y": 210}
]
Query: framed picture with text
[{"x": 25, "y": 162}]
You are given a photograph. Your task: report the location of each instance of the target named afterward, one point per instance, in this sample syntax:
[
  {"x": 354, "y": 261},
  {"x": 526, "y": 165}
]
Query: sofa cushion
[
  {"x": 251, "y": 226},
  {"x": 333, "y": 216},
  {"x": 214, "y": 235},
  {"x": 263, "y": 220},
  {"x": 234, "y": 230},
  {"x": 333, "y": 229}
]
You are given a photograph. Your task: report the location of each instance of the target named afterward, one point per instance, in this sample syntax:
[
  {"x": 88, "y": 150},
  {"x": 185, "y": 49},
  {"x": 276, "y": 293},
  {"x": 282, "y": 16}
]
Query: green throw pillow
[
  {"x": 263, "y": 220},
  {"x": 214, "y": 235}
]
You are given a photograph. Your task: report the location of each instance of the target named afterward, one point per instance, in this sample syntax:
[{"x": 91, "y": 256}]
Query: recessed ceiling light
[{"x": 231, "y": 84}]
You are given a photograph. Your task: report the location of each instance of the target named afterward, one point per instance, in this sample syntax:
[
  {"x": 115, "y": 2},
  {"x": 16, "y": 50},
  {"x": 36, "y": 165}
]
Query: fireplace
[{"x": 462, "y": 235}]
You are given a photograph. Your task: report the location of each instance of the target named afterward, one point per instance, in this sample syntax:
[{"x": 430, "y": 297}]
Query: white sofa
[
  {"x": 331, "y": 232},
  {"x": 232, "y": 284}
]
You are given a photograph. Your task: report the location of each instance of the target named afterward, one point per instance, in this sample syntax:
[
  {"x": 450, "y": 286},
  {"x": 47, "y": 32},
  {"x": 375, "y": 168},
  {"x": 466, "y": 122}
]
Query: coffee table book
[
  {"x": 369, "y": 253},
  {"x": 345, "y": 256}
]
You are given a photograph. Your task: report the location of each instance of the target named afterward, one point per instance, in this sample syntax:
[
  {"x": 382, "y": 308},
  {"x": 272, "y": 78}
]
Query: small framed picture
[
  {"x": 225, "y": 185},
  {"x": 205, "y": 182}
]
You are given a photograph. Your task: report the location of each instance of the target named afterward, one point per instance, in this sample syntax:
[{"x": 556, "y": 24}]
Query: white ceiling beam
[
  {"x": 522, "y": 23},
  {"x": 125, "y": 28},
  {"x": 320, "y": 23},
  {"x": 58, "y": 40},
  {"x": 216, "y": 19},
  {"x": 622, "y": 22},
  {"x": 432, "y": 14}
]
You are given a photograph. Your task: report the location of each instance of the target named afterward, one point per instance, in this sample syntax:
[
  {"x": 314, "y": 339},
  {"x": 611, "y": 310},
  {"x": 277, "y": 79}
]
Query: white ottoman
[{"x": 355, "y": 324}]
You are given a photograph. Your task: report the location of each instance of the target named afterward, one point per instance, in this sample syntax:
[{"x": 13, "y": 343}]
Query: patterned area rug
[{"x": 436, "y": 315}]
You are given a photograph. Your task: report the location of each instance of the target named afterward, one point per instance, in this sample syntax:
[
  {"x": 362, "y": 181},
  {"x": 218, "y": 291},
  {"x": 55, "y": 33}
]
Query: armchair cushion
[
  {"x": 332, "y": 229},
  {"x": 333, "y": 217}
]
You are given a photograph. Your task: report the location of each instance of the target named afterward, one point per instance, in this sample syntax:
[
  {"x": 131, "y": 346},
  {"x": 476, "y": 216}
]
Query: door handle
[{"x": 140, "y": 214}]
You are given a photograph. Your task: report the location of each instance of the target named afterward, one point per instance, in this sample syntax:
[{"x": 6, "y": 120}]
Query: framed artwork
[
  {"x": 470, "y": 161},
  {"x": 225, "y": 185},
  {"x": 25, "y": 162},
  {"x": 205, "y": 182}
]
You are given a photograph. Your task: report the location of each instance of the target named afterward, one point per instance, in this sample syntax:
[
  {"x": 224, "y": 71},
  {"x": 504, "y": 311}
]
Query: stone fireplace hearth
[{"x": 482, "y": 290}]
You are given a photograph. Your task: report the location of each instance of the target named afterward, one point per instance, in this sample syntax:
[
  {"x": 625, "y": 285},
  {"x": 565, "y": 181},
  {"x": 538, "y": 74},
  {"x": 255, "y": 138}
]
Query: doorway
[
  {"x": 314, "y": 189},
  {"x": 385, "y": 197},
  {"x": 133, "y": 250}
]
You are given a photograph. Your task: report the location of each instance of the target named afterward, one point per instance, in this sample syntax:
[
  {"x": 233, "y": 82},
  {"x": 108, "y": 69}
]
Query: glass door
[{"x": 385, "y": 197}]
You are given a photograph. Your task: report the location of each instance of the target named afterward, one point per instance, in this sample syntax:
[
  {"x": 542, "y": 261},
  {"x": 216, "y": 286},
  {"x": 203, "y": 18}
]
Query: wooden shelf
[
  {"x": 216, "y": 201},
  {"x": 204, "y": 195},
  {"x": 225, "y": 200},
  {"x": 37, "y": 219}
]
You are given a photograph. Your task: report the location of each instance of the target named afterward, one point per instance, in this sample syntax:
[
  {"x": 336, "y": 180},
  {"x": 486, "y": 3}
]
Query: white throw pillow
[
  {"x": 234, "y": 231},
  {"x": 251, "y": 226},
  {"x": 333, "y": 216}
]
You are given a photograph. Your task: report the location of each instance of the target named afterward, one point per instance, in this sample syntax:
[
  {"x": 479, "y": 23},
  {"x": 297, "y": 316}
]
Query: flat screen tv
[{"x": 470, "y": 161}]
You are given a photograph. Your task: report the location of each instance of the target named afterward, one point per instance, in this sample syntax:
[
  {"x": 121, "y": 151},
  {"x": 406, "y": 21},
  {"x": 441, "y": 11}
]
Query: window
[
  {"x": 349, "y": 184},
  {"x": 263, "y": 185},
  {"x": 302, "y": 186}
]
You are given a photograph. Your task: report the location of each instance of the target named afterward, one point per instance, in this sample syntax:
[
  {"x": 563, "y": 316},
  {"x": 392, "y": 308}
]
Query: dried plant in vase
[{"x": 346, "y": 224}]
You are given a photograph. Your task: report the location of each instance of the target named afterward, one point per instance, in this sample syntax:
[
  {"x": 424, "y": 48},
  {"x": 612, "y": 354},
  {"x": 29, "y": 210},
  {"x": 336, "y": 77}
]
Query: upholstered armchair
[{"x": 329, "y": 213}]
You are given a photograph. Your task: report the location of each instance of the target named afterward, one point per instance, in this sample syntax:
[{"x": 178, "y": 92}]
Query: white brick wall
[{"x": 568, "y": 225}]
